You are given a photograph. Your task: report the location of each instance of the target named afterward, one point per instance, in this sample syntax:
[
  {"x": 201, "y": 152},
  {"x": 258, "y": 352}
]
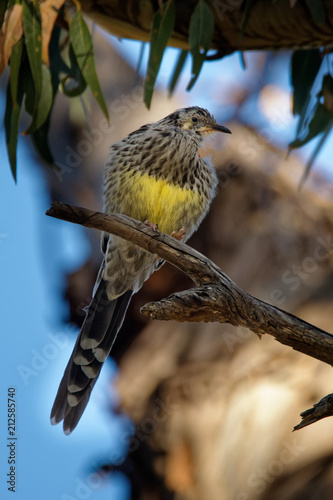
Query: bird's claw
[
  {"x": 178, "y": 235},
  {"x": 150, "y": 224}
]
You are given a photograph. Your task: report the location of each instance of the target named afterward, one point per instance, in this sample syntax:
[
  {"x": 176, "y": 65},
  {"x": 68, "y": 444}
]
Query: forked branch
[{"x": 215, "y": 298}]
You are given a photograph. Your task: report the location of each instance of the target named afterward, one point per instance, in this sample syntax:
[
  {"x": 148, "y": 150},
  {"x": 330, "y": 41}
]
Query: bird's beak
[
  {"x": 221, "y": 128},
  {"x": 210, "y": 129}
]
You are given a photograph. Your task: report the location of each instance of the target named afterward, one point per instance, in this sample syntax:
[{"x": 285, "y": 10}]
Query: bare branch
[
  {"x": 319, "y": 411},
  {"x": 217, "y": 298}
]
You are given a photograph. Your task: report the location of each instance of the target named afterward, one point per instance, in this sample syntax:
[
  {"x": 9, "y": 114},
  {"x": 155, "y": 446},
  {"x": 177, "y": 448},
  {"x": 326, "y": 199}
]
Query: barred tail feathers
[{"x": 102, "y": 323}]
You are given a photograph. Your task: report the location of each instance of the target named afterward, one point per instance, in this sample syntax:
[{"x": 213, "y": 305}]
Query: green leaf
[
  {"x": 33, "y": 41},
  {"x": 3, "y": 8},
  {"x": 315, "y": 154},
  {"x": 84, "y": 52},
  {"x": 41, "y": 142},
  {"x": 161, "y": 29},
  {"x": 29, "y": 88},
  {"x": 45, "y": 102},
  {"x": 305, "y": 65},
  {"x": 200, "y": 37},
  {"x": 320, "y": 120},
  {"x": 73, "y": 84},
  {"x": 316, "y": 7},
  {"x": 71, "y": 87},
  {"x": 12, "y": 117},
  {"x": 327, "y": 84},
  {"x": 57, "y": 64},
  {"x": 246, "y": 16},
  {"x": 139, "y": 64},
  {"x": 178, "y": 69},
  {"x": 43, "y": 94},
  {"x": 15, "y": 61}
]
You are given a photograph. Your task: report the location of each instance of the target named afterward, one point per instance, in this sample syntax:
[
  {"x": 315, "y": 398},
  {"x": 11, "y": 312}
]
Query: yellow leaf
[
  {"x": 49, "y": 13},
  {"x": 11, "y": 32}
]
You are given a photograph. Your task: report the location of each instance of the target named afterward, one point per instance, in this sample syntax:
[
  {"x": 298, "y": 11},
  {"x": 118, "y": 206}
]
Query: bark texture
[{"x": 270, "y": 26}]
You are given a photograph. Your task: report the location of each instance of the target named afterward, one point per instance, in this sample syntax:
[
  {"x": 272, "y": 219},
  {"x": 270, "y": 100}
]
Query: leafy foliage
[
  {"x": 177, "y": 71},
  {"x": 51, "y": 45},
  {"x": 161, "y": 29},
  {"x": 200, "y": 38},
  {"x": 41, "y": 64},
  {"x": 312, "y": 103},
  {"x": 12, "y": 117},
  {"x": 317, "y": 10},
  {"x": 82, "y": 45},
  {"x": 304, "y": 68}
]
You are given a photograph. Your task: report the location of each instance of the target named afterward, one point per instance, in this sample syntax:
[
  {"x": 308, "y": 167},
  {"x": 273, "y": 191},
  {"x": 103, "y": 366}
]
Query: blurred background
[{"x": 182, "y": 411}]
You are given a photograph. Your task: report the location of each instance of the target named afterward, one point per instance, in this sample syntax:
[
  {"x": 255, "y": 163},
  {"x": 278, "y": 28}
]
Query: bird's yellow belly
[{"x": 171, "y": 207}]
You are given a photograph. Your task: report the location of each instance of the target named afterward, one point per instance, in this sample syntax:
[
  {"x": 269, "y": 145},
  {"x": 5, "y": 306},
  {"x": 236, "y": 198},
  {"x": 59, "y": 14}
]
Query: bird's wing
[{"x": 127, "y": 266}]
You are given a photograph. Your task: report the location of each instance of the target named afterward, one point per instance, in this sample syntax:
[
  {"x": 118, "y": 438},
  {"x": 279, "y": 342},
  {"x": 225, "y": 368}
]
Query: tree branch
[
  {"x": 270, "y": 26},
  {"x": 216, "y": 297},
  {"x": 319, "y": 411}
]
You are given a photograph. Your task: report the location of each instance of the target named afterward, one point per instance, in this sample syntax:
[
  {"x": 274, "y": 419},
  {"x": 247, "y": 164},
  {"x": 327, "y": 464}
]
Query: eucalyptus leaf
[
  {"x": 44, "y": 105},
  {"x": 177, "y": 71},
  {"x": 246, "y": 16},
  {"x": 57, "y": 65},
  {"x": 41, "y": 142},
  {"x": 33, "y": 41},
  {"x": 12, "y": 117},
  {"x": 162, "y": 27},
  {"x": 305, "y": 65},
  {"x": 317, "y": 10},
  {"x": 71, "y": 87},
  {"x": 3, "y": 8},
  {"x": 320, "y": 120},
  {"x": 201, "y": 32},
  {"x": 29, "y": 88},
  {"x": 73, "y": 84},
  {"x": 327, "y": 83},
  {"x": 315, "y": 153},
  {"x": 84, "y": 52},
  {"x": 15, "y": 61}
]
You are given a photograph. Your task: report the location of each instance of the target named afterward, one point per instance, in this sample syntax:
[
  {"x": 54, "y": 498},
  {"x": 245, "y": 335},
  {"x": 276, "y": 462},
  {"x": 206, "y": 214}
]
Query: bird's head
[{"x": 196, "y": 120}]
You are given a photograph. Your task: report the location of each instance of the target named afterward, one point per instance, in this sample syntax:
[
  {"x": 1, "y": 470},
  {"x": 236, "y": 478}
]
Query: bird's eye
[{"x": 194, "y": 119}]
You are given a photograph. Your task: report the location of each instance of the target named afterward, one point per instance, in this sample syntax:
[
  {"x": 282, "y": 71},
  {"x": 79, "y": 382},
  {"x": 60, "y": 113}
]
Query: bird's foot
[
  {"x": 150, "y": 224},
  {"x": 178, "y": 236}
]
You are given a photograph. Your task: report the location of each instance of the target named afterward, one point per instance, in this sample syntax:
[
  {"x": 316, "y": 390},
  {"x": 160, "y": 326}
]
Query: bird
[{"x": 157, "y": 176}]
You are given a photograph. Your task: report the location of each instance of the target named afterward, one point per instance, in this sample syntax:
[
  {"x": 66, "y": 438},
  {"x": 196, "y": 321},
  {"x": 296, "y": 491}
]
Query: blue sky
[{"x": 35, "y": 251}]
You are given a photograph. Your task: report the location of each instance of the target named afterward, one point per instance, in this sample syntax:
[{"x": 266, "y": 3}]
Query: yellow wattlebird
[{"x": 154, "y": 174}]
